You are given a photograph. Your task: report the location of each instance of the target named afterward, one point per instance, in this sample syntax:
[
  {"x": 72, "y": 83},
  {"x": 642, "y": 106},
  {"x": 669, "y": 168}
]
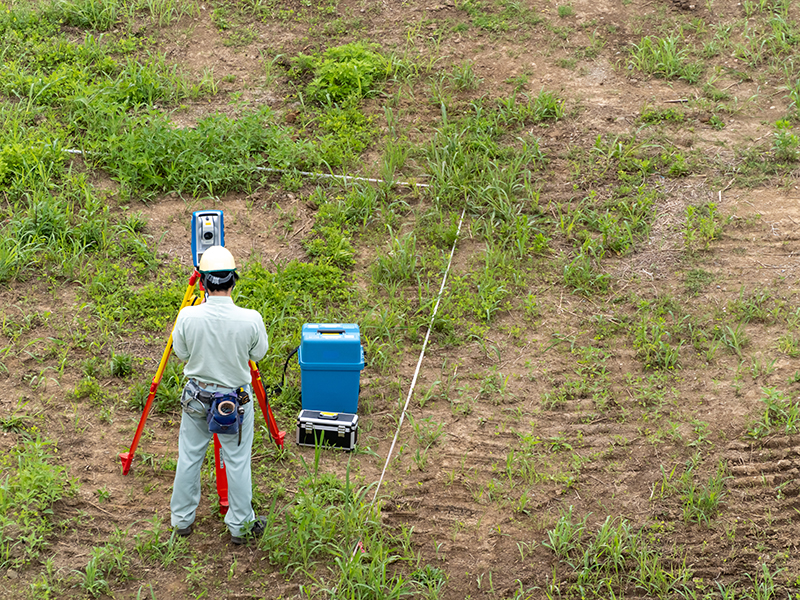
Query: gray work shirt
[{"x": 216, "y": 339}]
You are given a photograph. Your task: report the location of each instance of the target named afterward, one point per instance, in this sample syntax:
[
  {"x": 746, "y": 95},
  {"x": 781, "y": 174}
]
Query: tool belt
[{"x": 223, "y": 412}]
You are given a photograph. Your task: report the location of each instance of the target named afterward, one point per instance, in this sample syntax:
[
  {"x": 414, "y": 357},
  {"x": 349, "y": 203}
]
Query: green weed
[
  {"x": 346, "y": 71},
  {"x": 33, "y": 482},
  {"x": 121, "y": 365},
  {"x": 696, "y": 280},
  {"x": 582, "y": 276},
  {"x": 427, "y": 432},
  {"x": 701, "y": 503},
  {"x": 565, "y": 538},
  {"x": 217, "y": 155},
  {"x": 780, "y": 413},
  {"x": 785, "y": 143},
  {"x": 665, "y": 57},
  {"x": 91, "y": 14},
  {"x": 502, "y": 16},
  {"x": 159, "y": 544},
  {"x": 401, "y": 263},
  {"x": 329, "y": 519},
  {"x": 703, "y": 225},
  {"x": 754, "y": 307},
  {"x": 464, "y": 78},
  {"x": 610, "y": 559},
  {"x": 565, "y": 10},
  {"x": 655, "y": 115}
]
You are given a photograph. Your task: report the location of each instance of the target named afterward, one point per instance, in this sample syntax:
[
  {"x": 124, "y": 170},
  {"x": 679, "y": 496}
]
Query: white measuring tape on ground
[
  {"x": 419, "y": 362},
  {"x": 343, "y": 177},
  {"x": 313, "y": 174}
]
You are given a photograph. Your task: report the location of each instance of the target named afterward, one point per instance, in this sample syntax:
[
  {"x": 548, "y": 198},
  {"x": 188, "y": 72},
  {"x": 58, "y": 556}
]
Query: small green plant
[
  {"x": 464, "y": 78},
  {"x": 757, "y": 306},
  {"x": 33, "y": 482},
  {"x": 789, "y": 345},
  {"x": 427, "y": 431},
  {"x": 531, "y": 307},
  {"x": 781, "y": 413},
  {"x": 702, "y": 226},
  {"x": 665, "y": 57},
  {"x": 159, "y": 544},
  {"x": 655, "y": 115},
  {"x": 92, "y": 14},
  {"x": 701, "y": 503},
  {"x": 794, "y": 97},
  {"x": 735, "y": 338},
  {"x": 582, "y": 275},
  {"x": 89, "y": 387},
  {"x": 764, "y": 585},
  {"x": 430, "y": 581},
  {"x": 696, "y": 280},
  {"x": 92, "y": 579},
  {"x": 400, "y": 264},
  {"x": 565, "y": 538},
  {"x": 121, "y": 365},
  {"x": 346, "y": 71},
  {"x": 785, "y": 143},
  {"x": 565, "y": 10},
  {"x": 652, "y": 343}
]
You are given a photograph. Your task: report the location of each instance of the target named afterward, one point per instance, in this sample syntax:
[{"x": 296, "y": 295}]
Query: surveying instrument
[{"x": 207, "y": 231}]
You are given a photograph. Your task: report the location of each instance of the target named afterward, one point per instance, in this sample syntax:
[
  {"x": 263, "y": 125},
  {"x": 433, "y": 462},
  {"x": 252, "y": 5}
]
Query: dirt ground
[{"x": 456, "y": 522}]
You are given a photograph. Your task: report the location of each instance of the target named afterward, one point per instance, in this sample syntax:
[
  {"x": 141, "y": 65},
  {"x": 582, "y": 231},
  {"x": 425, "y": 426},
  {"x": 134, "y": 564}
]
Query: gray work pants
[{"x": 192, "y": 444}]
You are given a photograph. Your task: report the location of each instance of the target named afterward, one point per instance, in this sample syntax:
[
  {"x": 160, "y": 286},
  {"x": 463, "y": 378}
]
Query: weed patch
[
  {"x": 345, "y": 72},
  {"x": 665, "y": 57},
  {"x": 609, "y": 561},
  {"x": 33, "y": 482},
  {"x": 781, "y": 414}
]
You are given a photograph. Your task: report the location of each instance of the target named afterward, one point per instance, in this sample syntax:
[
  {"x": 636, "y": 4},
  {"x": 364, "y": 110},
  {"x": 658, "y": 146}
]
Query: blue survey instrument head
[{"x": 207, "y": 231}]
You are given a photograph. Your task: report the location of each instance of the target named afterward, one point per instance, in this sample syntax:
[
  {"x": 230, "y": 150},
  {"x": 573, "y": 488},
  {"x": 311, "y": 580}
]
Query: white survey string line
[
  {"x": 313, "y": 174},
  {"x": 419, "y": 362},
  {"x": 331, "y": 175}
]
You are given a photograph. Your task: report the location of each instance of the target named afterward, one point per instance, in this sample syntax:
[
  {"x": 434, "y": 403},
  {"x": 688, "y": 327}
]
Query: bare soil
[{"x": 456, "y": 523}]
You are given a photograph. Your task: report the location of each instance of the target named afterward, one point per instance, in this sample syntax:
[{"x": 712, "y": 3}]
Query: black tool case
[{"x": 339, "y": 430}]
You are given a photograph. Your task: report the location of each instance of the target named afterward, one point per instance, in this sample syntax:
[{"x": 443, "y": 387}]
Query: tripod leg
[
  {"x": 261, "y": 395},
  {"x": 222, "y": 477},
  {"x": 127, "y": 457}
]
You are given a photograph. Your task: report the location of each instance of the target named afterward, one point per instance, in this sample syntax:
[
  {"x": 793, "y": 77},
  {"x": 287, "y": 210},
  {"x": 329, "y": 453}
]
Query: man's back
[{"x": 217, "y": 339}]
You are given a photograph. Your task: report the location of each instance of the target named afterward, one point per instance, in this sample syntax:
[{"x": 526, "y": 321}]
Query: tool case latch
[{"x": 341, "y": 430}]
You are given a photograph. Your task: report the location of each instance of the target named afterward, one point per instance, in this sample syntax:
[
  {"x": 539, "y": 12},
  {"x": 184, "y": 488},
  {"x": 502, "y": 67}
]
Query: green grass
[
  {"x": 781, "y": 414},
  {"x": 345, "y": 72},
  {"x": 667, "y": 57},
  {"x": 32, "y": 483},
  {"x": 551, "y": 293},
  {"x": 331, "y": 520},
  {"x": 614, "y": 557}
]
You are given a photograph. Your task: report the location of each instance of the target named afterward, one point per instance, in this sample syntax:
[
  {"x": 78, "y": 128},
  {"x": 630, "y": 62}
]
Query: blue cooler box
[{"x": 331, "y": 360}]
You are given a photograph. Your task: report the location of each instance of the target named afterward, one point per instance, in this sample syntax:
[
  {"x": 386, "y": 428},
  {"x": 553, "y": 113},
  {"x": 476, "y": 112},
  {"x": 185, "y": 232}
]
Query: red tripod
[{"x": 190, "y": 299}]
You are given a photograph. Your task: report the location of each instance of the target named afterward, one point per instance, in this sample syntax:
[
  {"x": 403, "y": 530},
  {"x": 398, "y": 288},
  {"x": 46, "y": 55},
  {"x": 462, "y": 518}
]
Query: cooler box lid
[{"x": 331, "y": 346}]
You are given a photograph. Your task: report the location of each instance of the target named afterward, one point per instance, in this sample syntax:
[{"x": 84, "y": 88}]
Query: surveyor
[{"x": 216, "y": 339}]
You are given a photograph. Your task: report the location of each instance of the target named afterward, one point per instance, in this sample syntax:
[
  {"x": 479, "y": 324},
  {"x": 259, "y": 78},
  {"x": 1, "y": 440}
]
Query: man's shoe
[
  {"x": 184, "y": 532},
  {"x": 256, "y": 530}
]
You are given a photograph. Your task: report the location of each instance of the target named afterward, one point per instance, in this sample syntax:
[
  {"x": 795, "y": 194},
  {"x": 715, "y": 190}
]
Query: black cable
[{"x": 277, "y": 389}]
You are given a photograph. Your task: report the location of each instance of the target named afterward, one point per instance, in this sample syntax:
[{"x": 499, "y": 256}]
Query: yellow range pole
[{"x": 127, "y": 457}]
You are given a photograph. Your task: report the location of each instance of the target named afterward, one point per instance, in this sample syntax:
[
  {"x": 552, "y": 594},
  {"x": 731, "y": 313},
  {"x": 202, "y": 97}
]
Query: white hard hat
[{"x": 216, "y": 258}]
